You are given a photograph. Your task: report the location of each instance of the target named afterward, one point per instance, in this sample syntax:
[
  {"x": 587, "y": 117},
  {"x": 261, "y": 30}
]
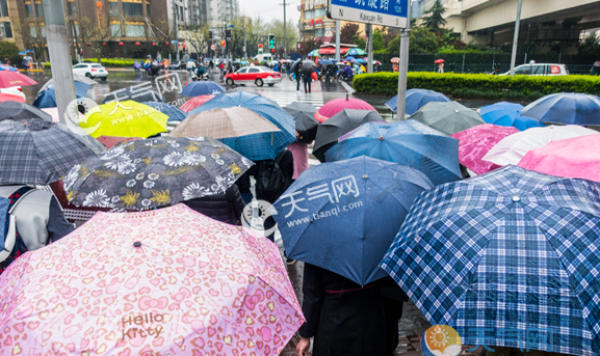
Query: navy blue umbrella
[
  {"x": 47, "y": 98},
  {"x": 173, "y": 112},
  {"x": 202, "y": 88},
  {"x": 343, "y": 216},
  {"x": 566, "y": 108},
  {"x": 409, "y": 143},
  {"x": 416, "y": 99}
]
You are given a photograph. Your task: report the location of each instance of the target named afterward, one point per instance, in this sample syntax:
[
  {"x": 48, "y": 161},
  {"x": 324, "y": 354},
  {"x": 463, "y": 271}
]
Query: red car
[{"x": 256, "y": 75}]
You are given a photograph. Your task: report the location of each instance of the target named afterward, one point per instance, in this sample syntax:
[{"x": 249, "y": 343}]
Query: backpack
[
  {"x": 271, "y": 181},
  {"x": 12, "y": 244}
]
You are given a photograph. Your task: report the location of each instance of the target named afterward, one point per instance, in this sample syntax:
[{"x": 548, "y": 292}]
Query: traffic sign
[
  {"x": 174, "y": 41},
  {"x": 212, "y": 47},
  {"x": 378, "y": 12}
]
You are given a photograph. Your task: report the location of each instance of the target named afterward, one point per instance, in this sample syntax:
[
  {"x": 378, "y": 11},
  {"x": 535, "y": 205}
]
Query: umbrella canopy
[
  {"x": 577, "y": 157},
  {"x": 194, "y": 102},
  {"x": 510, "y": 150},
  {"x": 350, "y": 58},
  {"x": 9, "y": 97},
  {"x": 146, "y": 174},
  {"x": 566, "y": 108},
  {"x": 134, "y": 93},
  {"x": 124, "y": 119},
  {"x": 47, "y": 98},
  {"x": 308, "y": 66},
  {"x": 395, "y": 60},
  {"x": 40, "y": 152},
  {"x": 6, "y": 67},
  {"x": 508, "y": 114},
  {"x": 341, "y": 123},
  {"x": 10, "y": 110},
  {"x": 239, "y": 128},
  {"x": 416, "y": 99},
  {"x": 438, "y": 61},
  {"x": 296, "y": 63},
  {"x": 110, "y": 141},
  {"x": 512, "y": 250},
  {"x": 335, "y": 106},
  {"x": 474, "y": 143},
  {"x": 347, "y": 214},
  {"x": 264, "y": 107},
  {"x": 356, "y": 52},
  {"x": 360, "y": 60},
  {"x": 13, "y": 79},
  {"x": 408, "y": 143},
  {"x": 202, "y": 88},
  {"x": 76, "y": 78},
  {"x": 171, "y": 281},
  {"x": 173, "y": 112},
  {"x": 306, "y": 125},
  {"x": 314, "y": 53},
  {"x": 325, "y": 62},
  {"x": 449, "y": 118}
]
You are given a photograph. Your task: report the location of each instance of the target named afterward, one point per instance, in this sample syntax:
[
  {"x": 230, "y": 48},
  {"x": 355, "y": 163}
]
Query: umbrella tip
[
  {"x": 346, "y": 96},
  {"x": 137, "y": 244},
  {"x": 381, "y": 138}
]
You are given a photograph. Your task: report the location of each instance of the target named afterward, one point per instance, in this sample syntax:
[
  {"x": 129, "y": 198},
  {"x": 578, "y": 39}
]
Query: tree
[
  {"x": 160, "y": 33},
  {"x": 101, "y": 33},
  {"x": 276, "y": 28},
  {"x": 11, "y": 51},
  {"x": 359, "y": 41},
  {"x": 589, "y": 46},
  {"x": 348, "y": 32},
  {"x": 34, "y": 37},
  {"x": 434, "y": 17},
  {"x": 421, "y": 41},
  {"x": 378, "y": 40},
  {"x": 198, "y": 39}
]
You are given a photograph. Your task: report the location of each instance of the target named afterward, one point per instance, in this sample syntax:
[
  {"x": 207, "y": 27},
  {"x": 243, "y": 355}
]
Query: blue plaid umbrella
[
  {"x": 508, "y": 114},
  {"x": 416, "y": 99},
  {"x": 202, "y": 88},
  {"x": 261, "y": 146},
  {"x": 508, "y": 257},
  {"x": 173, "y": 112}
]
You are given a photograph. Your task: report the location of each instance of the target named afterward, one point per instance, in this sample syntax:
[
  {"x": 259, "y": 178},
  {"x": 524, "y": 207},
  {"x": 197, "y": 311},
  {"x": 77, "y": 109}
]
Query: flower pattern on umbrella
[{"x": 145, "y": 174}]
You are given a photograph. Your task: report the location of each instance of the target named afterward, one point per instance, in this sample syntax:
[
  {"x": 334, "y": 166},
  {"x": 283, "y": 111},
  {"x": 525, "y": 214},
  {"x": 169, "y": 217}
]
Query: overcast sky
[{"x": 270, "y": 9}]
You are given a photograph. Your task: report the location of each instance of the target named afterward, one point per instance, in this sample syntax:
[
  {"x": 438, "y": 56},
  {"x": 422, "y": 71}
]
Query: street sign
[
  {"x": 174, "y": 41},
  {"x": 378, "y": 12},
  {"x": 244, "y": 49},
  {"x": 212, "y": 47}
]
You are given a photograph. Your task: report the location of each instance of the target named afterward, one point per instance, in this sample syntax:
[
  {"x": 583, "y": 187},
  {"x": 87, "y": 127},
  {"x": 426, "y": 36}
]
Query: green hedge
[
  {"x": 114, "y": 62},
  {"x": 479, "y": 86}
]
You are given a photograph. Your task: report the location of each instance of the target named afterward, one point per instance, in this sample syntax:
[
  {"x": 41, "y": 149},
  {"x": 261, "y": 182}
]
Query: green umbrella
[{"x": 447, "y": 117}]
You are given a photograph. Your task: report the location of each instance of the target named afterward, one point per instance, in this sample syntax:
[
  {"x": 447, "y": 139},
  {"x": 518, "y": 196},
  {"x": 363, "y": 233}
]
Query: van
[
  {"x": 550, "y": 69},
  {"x": 263, "y": 57}
]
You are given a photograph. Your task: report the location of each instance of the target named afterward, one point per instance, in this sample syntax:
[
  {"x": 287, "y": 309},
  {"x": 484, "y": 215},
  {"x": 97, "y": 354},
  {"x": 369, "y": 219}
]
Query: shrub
[
  {"x": 482, "y": 86},
  {"x": 115, "y": 62},
  {"x": 11, "y": 51}
]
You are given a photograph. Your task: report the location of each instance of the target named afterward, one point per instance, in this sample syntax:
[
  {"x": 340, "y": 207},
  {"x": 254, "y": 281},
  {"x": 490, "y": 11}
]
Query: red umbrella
[
  {"x": 14, "y": 79},
  {"x": 337, "y": 105},
  {"x": 438, "y": 61},
  {"x": 195, "y": 102},
  {"x": 138, "y": 43},
  {"x": 10, "y": 97},
  {"x": 111, "y": 141}
]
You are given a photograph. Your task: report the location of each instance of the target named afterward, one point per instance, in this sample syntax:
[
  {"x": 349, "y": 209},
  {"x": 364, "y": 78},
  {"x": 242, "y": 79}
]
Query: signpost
[{"x": 212, "y": 47}]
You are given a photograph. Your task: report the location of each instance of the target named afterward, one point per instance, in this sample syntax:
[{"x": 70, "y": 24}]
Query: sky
[{"x": 270, "y": 9}]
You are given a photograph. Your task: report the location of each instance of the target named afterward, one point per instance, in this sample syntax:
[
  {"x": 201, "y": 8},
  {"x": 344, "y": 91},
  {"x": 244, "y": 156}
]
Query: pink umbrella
[
  {"x": 14, "y": 79},
  {"x": 475, "y": 142},
  {"x": 337, "y": 105},
  {"x": 577, "y": 157},
  {"x": 162, "y": 282},
  {"x": 194, "y": 102}
]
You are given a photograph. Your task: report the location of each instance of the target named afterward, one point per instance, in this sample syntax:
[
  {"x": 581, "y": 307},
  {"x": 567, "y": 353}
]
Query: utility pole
[
  {"x": 403, "y": 67},
  {"x": 513, "y": 57},
  {"x": 337, "y": 40},
  {"x": 284, "y": 30},
  {"x": 245, "y": 48},
  {"x": 369, "y": 28},
  {"x": 175, "y": 16},
  {"x": 59, "y": 47}
]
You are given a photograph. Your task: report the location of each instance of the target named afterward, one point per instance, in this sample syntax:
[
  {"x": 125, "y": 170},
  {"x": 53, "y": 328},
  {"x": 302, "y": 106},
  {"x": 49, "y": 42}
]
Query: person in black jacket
[
  {"x": 298, "y": 74},
  {"x": 225, "y": 207}
]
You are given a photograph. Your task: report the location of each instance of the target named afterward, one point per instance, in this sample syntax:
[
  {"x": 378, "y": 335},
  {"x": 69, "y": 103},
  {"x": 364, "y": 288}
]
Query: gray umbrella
[
  {"x": 11, "y": 110},
  {"x": 135, "y": 93},
  {"x": 338, "y": 125},
  {"x": 308, "y": 66},
  {"x": 306, "y": 124},
  {"x": 76, "y": 78},
  {"x": 448, "y": 117},
  {"x": 296, "y": 63}
]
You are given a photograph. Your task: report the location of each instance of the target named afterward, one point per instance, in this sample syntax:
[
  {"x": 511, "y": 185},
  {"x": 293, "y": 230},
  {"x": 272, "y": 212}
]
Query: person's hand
[{"x": 302, "y": 347}]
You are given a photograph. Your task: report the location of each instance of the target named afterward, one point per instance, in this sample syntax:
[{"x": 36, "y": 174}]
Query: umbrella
[
  {"x": 474, "y": 143},
  {"x": 306, "y": 125},
  {"x": 408, "y": 143},
  {"x": 135, "y": 93},
  {"x": 577, "y": 157},
  {"x": 335, "y": 106},
  {"x": 47, "y": 98},
  {"x": 395, "y": 60},
  {"x": 378, "y": 63},
  {"x": 341, "y": 123},
  {"x": 54, "y": 113},
  {"x": 416, "y": 99},
  {"x": 350, "y": 58},
  {"x": 173, "y": 112},
  {"x": 361, "y": 61},
  {"x": 314, "y": 53},
  {"x": 512, "y": 252},
  {"x": 596, "y": 64},
  {"x": 325, "y": 62},
  {"x": 13, "y": 79},
  {"x": 169, "y": 282},
  {"x": 202, "y": 88},
  {"x": 296, "y": 62},
  {"x": 9, "y": 97},
  {"x": 565, "y": 108},
  {"x": 110, "y": 141},
  {"x": 508, "y": 114},
  {"x": 356, "y": 52},
  {"x": 10, "y": 110},
  {"x": 194, "y": 102},
  {"x": 6, "y": 67},
  {"x": 449, "y": 117},
  {"x": 510, "y": 150},
  {"x": 264, "y": 107},
  {"x": 345, "y": 214},
  {"x": 438, "y": 61},
  {"x": 161, "y": 171},
  {"x": 239, "y": 128},
  {"x": 76, "y": 78},
  {"x": 124, "y": 119},
  {"x": 40, "y": 152},
  {"x": 308, "y": 66}
]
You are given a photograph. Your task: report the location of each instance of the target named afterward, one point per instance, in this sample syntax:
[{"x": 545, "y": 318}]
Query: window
[
  {"x": 39, "y": 9},
  {"x": 3, "y": 8},
  {"x": 537, "y": 69},
  {"x": 309, "y": 15},
  {"x": 319, "y": 12},
  {"x": 319, "y": 32},
  {"x": 526, "y": 69},
  {"x": 43, "y": 31},
  {"x": 253, "y": 70},
  {"x": 148, "y": 12},
  {"x": 32, "y": 32},
  {"x": 115, "y": 29},
  {"x": 71, "y": 8},
  {"x": 180, "y": 13},
  {"x": 242, "y": 71},
  {"x": 96, "y": 65},
  {"x": 132, "y": 9},
  {"x": 79, "y": 66},
  {"x": 75, "y": 29},
  {"x": 113, "y": 8},
  {"x": 134, "y": 31},
  {"x": 29, "y": 9},
  {"x": 6, "y": 30}
]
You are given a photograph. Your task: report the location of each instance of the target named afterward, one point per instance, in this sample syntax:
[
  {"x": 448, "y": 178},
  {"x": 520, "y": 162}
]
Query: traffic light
[
  {"x": 272, "y": 50},
  {"x": 260, "y": 48},
  {"x": 228, "y": 33},
  {"x": 223, "y": 44},
  {"x": 271, "y": 41},
  {"x": 210, "y": 35}
]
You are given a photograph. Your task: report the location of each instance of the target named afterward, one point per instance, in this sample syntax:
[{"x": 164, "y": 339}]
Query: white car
[
  {"x": 91, "y": 70},
  {"x": 550, "y": 69},
  {"x": 14, "y": 91}
]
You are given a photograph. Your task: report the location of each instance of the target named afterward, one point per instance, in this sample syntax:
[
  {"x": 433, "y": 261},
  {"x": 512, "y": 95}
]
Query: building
[
  {"x": 420, "y": 7},
  {"x": 543, "y": 22},
  {"x": 313, "y": 23},
  {"x": 199, "y": 11}
]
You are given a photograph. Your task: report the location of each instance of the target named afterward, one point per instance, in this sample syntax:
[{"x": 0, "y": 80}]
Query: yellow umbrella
[{"x": 124, "y": 119}]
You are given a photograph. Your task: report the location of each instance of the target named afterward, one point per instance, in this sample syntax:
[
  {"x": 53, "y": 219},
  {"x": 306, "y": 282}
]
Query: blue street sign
[
  {"x": 391, "y": 13},
  {"x": 174, "y": 41},
  {"x": 231, "y": 26}
]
